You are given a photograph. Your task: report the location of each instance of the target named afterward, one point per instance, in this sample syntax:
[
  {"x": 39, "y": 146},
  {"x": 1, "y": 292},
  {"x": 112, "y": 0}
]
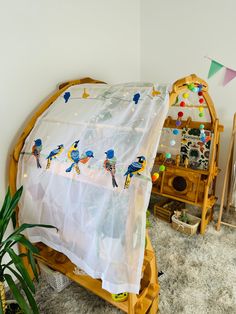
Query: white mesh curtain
[{"x": 88, "y": 137}]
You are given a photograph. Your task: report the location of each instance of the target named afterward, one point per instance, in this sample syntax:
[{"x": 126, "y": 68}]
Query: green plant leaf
[
  {"x": 33, "y": 265},
  {"x": 13, "y": 219},
  {"x": 20, "y": 238},
  {"x": 11, "y": 262},
  {"x": 6, "y": 203},
  {"x": 27, "y": 226},
  {"x": 16, "y": 197},
  {"x": 14, "y": 201},
  {"x": 9, "y": 210},
  {"x": 18, "y": 296},
  {"x": 27, "y": 291},
  {"x": 21, "y": 268},
  {"x": 4, "y": 208}
]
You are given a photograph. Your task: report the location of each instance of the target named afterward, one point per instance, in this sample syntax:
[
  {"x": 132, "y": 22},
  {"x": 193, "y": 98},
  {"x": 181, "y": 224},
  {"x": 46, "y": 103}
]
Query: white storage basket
[
  {"x": 54, "y": 278},
  {"x": 183, "y": 227}
]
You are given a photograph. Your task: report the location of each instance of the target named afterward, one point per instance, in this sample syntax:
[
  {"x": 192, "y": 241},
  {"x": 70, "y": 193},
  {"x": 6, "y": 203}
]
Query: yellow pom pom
[
  {"x": 200, "y": 109},
  {"x": 185, "y": 95},
  {"x": 155, "y": 176}
]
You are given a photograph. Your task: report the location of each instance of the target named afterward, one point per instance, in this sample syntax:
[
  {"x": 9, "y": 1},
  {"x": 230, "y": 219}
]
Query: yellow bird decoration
[
  {"x": 85, "y": 94},
  {"x": 155, "y": 92}
]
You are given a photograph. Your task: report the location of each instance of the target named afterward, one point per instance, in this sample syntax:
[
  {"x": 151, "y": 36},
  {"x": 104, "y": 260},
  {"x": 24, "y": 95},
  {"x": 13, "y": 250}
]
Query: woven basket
[
  {"x": 54, "y": 278},
  {"x": 189, "y": 229}
]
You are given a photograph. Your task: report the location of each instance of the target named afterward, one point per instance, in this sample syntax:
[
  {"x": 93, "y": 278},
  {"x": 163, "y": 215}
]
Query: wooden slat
[{"x": 93, "y": 285}]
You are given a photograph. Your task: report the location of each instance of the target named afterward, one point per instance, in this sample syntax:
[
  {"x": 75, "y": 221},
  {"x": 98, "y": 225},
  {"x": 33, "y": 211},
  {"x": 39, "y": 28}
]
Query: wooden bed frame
[{"x": 147, "y": 300}]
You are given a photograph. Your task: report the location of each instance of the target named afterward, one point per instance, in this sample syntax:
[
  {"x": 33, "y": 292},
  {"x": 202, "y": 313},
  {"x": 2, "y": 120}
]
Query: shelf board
[
  {"x": 156, "y": 192},
  {"x": 182, "y": 168},
  {"x": 199, "y": 204}
]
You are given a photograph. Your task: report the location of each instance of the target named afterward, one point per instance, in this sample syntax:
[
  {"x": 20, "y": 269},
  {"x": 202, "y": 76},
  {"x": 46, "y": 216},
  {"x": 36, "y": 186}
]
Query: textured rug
[{"x": 199, "y": 276}]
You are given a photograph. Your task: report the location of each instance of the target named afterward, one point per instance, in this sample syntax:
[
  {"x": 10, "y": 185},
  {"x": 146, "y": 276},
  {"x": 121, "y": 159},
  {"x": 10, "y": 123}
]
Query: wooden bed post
[{"x": 227, "y": 178}]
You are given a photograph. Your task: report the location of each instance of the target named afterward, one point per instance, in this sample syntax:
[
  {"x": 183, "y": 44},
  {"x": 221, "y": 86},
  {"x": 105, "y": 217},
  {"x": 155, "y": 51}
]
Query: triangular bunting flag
[
  {"x": 215, "y": 67},
  {"x": 229, "y": 75}
]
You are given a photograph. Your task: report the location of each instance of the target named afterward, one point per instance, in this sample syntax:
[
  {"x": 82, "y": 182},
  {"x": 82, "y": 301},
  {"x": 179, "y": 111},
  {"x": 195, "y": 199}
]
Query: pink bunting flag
[{"x": 229, "y": 76}]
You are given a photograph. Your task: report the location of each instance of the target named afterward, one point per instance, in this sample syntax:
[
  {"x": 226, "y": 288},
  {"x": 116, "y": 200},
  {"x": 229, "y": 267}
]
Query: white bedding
[{"x": 101, "y": 226}]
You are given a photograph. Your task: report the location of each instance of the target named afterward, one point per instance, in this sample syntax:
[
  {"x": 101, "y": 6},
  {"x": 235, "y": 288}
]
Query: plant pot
[{"x": 13, "y": 308}]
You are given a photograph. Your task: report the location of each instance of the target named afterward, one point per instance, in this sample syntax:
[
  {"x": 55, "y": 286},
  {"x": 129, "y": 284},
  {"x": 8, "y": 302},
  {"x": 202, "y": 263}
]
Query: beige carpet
[{"x": 199, "y": 276}]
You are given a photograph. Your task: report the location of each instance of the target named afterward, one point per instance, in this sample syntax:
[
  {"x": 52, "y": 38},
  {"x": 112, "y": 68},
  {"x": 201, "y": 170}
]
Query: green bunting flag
[{"x": 215, "y": 67}]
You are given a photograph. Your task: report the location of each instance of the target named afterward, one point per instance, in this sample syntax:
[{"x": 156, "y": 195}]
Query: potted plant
[{"x": 15, "y": 265}]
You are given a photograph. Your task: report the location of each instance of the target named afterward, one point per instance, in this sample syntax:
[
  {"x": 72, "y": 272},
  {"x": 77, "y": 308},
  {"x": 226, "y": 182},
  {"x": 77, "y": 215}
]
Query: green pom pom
[
  {"x": 191, "y": 86},
  {"x": 201, "y": 114},
  {"x": 162, "y": 168},
  {"x": 168, "y": 155},
  {"x": 201, "y": 126}
]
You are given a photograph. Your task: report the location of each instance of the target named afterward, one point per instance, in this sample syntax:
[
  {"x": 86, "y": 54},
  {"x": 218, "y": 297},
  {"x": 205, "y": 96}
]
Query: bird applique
[
  {"x": 155, "y": 92},
  {"x": 136, "y": 98},
  {"x": 54, "y": 154},
  {"x": 73, "y": 155},
  {"x": 86, "y": 156},
  {"x": 36, "y": 150},
  {"x": 66, "y": 96},
  {"x": 85, "y": 94},
  {"x": 135, "y": 168},
  {"x": 110, "y": 166}
]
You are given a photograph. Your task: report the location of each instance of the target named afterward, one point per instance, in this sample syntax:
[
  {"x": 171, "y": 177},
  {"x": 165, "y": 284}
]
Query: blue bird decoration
[
  {"x": 36, "y": 150},
  {"x": 135, "y": 168},
  {"x": 66, "y": 96},
  {"x": 86, "y": 156},
  {"x": 54, "y": 154},
  {"x": 110, "y": 166},
  {"x": 136, "y": 98}
]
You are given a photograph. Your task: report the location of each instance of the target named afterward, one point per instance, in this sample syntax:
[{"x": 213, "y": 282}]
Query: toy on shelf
[{"x": 191, "y": 140}]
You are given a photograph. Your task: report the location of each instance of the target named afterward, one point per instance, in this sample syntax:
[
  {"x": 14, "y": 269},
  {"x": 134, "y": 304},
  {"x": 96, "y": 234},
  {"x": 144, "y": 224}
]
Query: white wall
[
  {"x": 175, "y": 37},
  {"x": 46, "y": 42}
]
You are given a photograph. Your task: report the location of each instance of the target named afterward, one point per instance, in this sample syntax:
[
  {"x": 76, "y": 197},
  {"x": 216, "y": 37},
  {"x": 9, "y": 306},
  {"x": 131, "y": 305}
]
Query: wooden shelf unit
[{"x": 200, "y": 184}]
